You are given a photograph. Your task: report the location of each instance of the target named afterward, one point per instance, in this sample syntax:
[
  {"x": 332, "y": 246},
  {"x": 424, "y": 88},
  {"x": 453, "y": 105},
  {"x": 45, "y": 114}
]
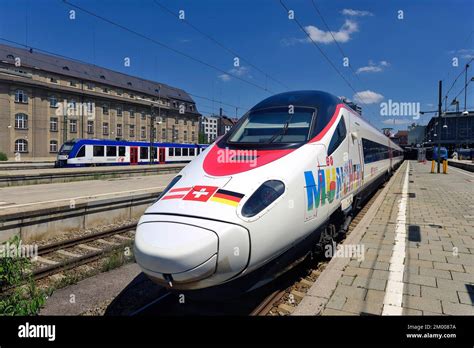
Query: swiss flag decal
[{"x": 200, "y": 193}]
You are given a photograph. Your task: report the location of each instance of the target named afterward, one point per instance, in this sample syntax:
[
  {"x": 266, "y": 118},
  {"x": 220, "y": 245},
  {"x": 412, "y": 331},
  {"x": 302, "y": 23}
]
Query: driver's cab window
[
  {"x": 81, "y": 152},
  {"x": 338, "y": 136}
]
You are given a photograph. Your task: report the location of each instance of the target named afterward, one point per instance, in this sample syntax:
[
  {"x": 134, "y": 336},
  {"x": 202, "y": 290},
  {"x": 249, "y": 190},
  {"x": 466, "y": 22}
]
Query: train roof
[
  {"x": 130, "y": 143},
  {"x": 323, "y": 101}
]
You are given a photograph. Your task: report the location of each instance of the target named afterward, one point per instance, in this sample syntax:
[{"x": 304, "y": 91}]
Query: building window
[
  {"x": 72, "y": 105},
  {"x": 154, "y": 133},
  {"x": 143, "y": 115},
  {"x": 53, "y": 146},
  {"x": 53, "y": 102},
  {"x": 105, "y": 109},
  {"x": 176, "y": 120},
  {"x": 21, "y": 145},
  {"x": 21, "y": 121},
  {"x": 132, "y": 95},
  {"x": 175, "y": 104},
  {"x": 90, "y": 86},
  {"x": 73, "y": 126},
  {"x": 193, "y": 137},
  {"x": 90, "y": 107},
  {"x": 193, "y": 123},
  {"x": 132, "y": 131},
  {"x": 143, "y": 132},
  {"x": 191, "y": 107},
  {"x": 53, "y": 124},
  {"x": 53, "y": 80},
  {"x": 119, "y": 92},
  {"x": 21, "y": 96},
  {"x": 72, "y": 83},
  {"x": 119, "y": 130},
  {"x": 119, "y": 111},
  {"x": 132, "y": 113},
  {"x": 105, "y": 90},
  {"x": 90, "y": 127},
  {"x": 185, "y": 135},
  {"x": 105, "y": 128},
  {"x": 163, "y": 134},
  {"x": 175, "y": 134}
]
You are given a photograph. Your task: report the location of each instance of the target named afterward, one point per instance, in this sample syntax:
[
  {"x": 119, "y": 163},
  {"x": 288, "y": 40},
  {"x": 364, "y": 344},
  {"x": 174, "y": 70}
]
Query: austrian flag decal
[{"x": 176, "y": 193}]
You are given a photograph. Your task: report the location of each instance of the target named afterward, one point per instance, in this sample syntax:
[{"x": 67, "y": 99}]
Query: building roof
[{"x": 89, "y": 72}]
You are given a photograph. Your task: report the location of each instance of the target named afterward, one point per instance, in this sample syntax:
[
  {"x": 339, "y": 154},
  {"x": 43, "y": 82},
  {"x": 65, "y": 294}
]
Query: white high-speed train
[{"x": 283, "y": 182}]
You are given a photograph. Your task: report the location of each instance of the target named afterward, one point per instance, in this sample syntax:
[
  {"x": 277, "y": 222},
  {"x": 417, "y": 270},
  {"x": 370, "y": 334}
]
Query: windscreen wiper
[{"x": 282, "y": 132}]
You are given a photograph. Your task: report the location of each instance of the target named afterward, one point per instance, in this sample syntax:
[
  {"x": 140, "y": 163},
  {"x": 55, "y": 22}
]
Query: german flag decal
[{"x": 227, "y": 197}]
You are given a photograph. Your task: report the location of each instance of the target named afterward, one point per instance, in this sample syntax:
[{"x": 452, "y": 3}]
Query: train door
[
  {"x": 133, "y": 155},
  {"x": 356, "y": 154},
  {"x": 161, "y": 155}
]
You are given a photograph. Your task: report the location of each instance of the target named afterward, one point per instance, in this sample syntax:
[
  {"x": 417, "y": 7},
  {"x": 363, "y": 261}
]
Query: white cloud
[
  {"x": 342, "y": 35},
  {"x": 356, "y": 13},
  {"x": 368, "y": 97},
  {"x": 373, "y": 67},
  {"x": 396, "y": 121},
  {"x": 224, "y": 77},
  {"x": 465, "y": 53},
  {"x": 237, "y": 71}
]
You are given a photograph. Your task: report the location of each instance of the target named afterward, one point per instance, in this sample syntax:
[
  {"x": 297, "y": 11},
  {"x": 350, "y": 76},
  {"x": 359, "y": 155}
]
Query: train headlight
[
  {"x": 265, "y": 195},
  {"x": 170, "y": 185}
]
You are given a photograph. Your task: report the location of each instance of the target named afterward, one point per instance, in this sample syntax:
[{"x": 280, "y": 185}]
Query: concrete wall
[{"x": 64, "y": 219}]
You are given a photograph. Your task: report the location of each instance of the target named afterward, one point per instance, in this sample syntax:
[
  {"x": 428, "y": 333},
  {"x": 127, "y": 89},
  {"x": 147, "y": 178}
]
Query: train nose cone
[{"x": 182, "y": 251}]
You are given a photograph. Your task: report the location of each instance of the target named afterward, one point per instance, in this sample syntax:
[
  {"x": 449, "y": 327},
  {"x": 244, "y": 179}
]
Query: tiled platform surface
[{"x": 418, "y": 239}]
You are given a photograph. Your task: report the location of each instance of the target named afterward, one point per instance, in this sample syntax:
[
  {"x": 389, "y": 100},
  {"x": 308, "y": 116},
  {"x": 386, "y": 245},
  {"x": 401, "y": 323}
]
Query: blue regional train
[{"x": 92, "y": 152}]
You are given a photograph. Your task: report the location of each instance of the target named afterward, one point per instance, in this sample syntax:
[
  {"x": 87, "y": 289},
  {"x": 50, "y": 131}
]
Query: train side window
[
  {"x": 111, "y": 151},
  {"x": 191, "y": 152},
  {"x": 338, "y": 136},
  {"x": 121, "y": 151},
  {"x": 155, "y": 152},
  {"x": 170, "y": 151},
  {"x": 143, "y": 152},
  {"x": 185, "y": 151},
  {"x": 98, "y": 151},
  {"x": 81, "y": 152},
  {"x": 177, "y": 151}
]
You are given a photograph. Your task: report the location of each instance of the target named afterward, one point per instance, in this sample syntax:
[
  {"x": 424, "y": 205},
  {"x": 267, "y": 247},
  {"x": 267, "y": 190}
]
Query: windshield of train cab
[
  {"x": 274, "y": 126},
  {"x": 66, "y": 148}
]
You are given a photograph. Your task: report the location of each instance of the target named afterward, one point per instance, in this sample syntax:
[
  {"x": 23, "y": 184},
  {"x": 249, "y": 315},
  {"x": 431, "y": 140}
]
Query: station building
[
  {"x": 46, "y": 100},
  {"x": 457, "y": 130}
]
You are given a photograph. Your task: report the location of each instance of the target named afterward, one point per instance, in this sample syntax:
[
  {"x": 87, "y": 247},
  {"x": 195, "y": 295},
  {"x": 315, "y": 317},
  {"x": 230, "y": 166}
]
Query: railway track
[
  {"x": 68, "y": 254},
  {"x": 278, "y": 298}
]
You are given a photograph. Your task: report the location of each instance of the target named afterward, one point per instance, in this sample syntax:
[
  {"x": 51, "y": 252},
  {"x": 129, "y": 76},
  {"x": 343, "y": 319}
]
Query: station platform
[
  {"x": 32, "y": 197},
  {"x": 418, "y": 259}
]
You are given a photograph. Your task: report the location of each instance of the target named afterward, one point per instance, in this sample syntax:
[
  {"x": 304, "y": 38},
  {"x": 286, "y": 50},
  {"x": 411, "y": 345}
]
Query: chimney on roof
[{"x": 220, "y": 112}]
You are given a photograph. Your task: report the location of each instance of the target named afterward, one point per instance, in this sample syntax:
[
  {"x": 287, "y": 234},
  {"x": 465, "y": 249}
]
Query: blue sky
[{"x": 391, "y": 58}]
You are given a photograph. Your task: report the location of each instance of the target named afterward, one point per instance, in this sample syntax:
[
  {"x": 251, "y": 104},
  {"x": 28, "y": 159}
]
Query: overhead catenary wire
[
  {"x": 159, "y": 43},
  {"x": 325, "y": 56},
  {"x": 224, "y": 47}
]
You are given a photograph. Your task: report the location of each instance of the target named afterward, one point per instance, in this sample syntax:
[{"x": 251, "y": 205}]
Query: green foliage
[
  {"x": 3, "y": 157},
  {"x": 22, "y": 297},
  {"x": 115, "y": 260}
]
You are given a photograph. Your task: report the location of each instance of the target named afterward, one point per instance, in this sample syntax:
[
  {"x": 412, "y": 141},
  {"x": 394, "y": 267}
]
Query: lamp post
[{"x": 465, "y": 87}]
